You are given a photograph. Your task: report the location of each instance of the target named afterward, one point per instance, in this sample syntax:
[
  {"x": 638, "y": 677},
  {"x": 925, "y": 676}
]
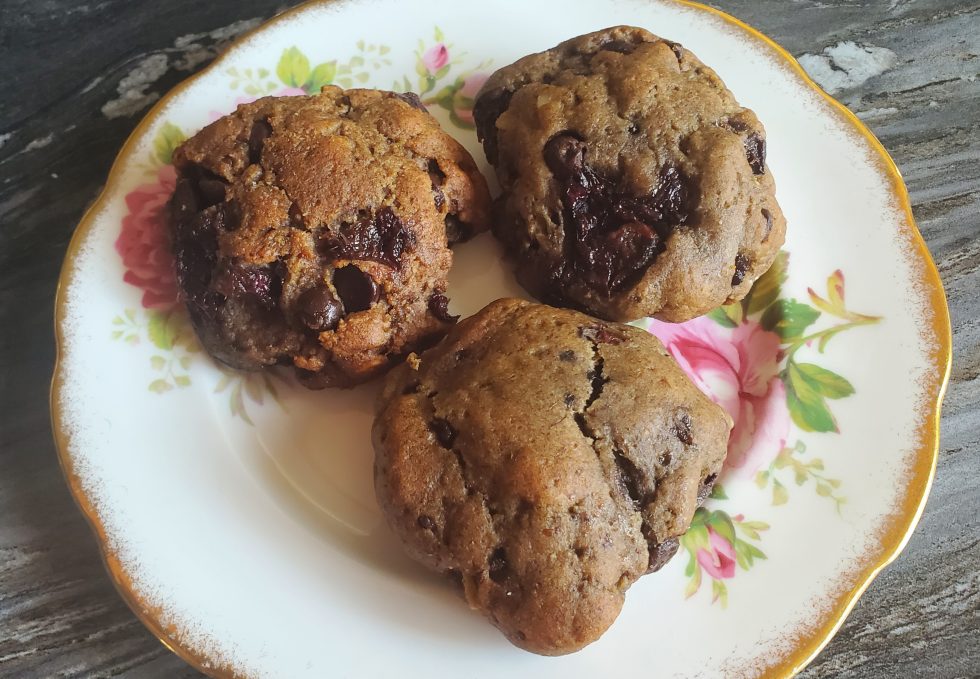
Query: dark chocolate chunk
[
  {"x": 487, "y": 109},
  {"x": 602, "y": 334},
  {"x": 704, "y": 490},
  {"x": 439, "y": 306},
  {"x": 261, "y": 130},
  {"x": 379, "y": 237},
  {"x": 498, "y": 566},
  {"x": 755, "y": 152},
  {"x": 457, "y": 230},
  {"x": 445, "y": 433},
  {"x": 676, "y": 48},
  {"x": 661, "y": 553},
  {"x": 357, "y": 289},
  {"x": 411, "y": 99},
  {"x": 259, "y": 284},
  {"x": 621, "y": 46},
  {"x": 438, "y": 178},
  {"x": 682, "y": 427},
  {"x": 741, "y": 268},
  {"x": 631, "y": 480},
  {"x": 611, "y": 236}
]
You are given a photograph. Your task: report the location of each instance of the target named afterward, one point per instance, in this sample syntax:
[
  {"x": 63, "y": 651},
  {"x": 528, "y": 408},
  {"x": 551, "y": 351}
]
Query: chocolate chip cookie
[
  {"x": 545, "y": 461},
  {"x": 633, "y": 182},
  {"x": 314, "y": 231}
]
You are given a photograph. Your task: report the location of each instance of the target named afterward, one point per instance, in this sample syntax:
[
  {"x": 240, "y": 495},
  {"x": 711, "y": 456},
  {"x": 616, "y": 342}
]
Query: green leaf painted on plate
[
  {"x": 322, "y": 75},
  {"x": 789, "y": 318},
  {"x": 721, "y": 318},
  {"x": 160, "y": 386},
  {"x": 722, "y": 524},
  {"x": 779, "y": 493},
  {"x": 159, "y": 331},
  {"x": 719, "y": 592},
  {"x": 807, "y": 406},
  {"x": 766, "y": 289},
  {"x": 166, "y": 140},
  {"x": 293, "y": 68},
  {"x": 718, "y": 492},
  {"x": 825, "y": 382}
]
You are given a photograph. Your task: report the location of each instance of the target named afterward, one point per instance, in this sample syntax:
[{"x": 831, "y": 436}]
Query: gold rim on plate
[{"x": 894, "y": 536}]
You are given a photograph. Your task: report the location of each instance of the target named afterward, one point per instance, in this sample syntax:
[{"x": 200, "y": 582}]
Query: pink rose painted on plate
[
  {"x": 144, "y": 242},
  {"x": 465, "y": 96},
  {"x": 435, "y": 58},
  {"x": 738, "y": 368},
  {"x": 718, "y": 560}
]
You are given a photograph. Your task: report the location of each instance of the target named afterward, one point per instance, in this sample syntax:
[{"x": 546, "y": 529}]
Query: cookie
[
  {"x": 314, "y": 231},
  {"x": 545, "y": 460},
  {"x": 633, "y": 184}
]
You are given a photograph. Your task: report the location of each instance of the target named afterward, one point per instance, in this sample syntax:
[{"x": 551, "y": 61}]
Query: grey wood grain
[{"x": 77, "y": 77}]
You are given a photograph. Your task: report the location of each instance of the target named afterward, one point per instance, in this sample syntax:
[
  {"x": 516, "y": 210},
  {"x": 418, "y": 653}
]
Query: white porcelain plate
[{"x": 236, "y": 512}]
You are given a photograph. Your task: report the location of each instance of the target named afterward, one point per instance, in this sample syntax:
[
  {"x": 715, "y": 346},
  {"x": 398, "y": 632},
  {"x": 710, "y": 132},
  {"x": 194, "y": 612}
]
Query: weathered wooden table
[{"x": 77, "y": 76}]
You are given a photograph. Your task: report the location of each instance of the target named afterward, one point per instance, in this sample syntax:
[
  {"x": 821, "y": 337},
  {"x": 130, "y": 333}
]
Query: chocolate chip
[
  {"x": 426, "y": 522},
  {"x": 569, "y": 399},
  {"x": 461, "y": 355},
  {"x": 412, "y": 388},
  {"x": 379, "y": 237},
  {"x": 633, "y": 128},
  {"x": 621, "y": 46},
  {"x": 661, "y": 553},
  {"x": 411, "y": 99},
  {"x": 564, "y": 154},
  {"x": 261, "y": 129},
  {"x": 682, "y": 427},
  {"x": 318, "y": 309},
  {"x": 444, "y": 432},
  {"x": 741, "y": 267},
  {"x": 497, "y": 566},
  {"x": 439, "y": 307},
  {"x": 486, "y": 110},
  {"x": 357, "y": 289},
  {"x": 768, "y": 217},
  {"x": 568, "y": 355},
  {"x": 755, "y": 152}
]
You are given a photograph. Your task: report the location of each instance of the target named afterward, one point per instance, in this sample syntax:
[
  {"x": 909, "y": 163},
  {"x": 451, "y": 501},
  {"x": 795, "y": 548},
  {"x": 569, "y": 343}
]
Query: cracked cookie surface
[
  {"x": 545, "y": 460},
  {"x": 633, "y": 183},
  {"x": 314, "y": 231}
]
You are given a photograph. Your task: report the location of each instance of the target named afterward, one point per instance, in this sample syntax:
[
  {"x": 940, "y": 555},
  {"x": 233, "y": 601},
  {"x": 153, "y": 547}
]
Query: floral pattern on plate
[{"x": 743, "y": 355}]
